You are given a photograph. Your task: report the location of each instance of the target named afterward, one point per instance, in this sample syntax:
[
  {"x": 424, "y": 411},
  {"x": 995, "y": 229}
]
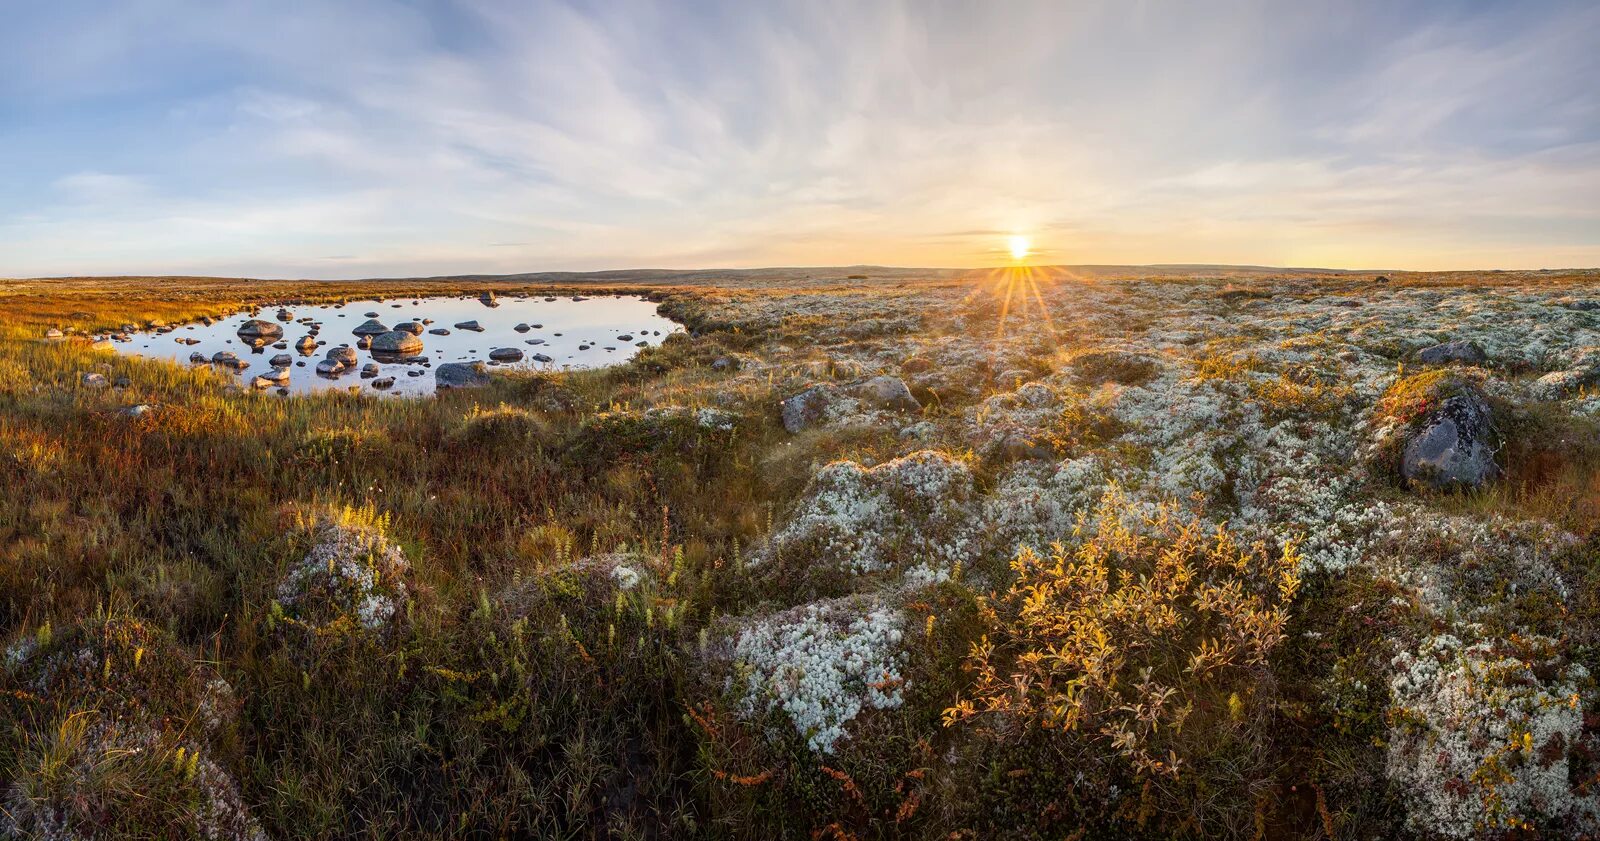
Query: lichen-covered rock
[
  {"x": 1454, "y": 447},
  {"x": 888, "y": 393},
  {"x": 820, "y": 665},
  {"x": 807, "y": 408},
  {"x": 918, "y": 509},
  {"x": 352, "y": 572},
  {"x": 1458, "y": 352}
]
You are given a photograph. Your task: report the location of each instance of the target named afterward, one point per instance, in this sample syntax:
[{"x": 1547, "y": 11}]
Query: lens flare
[{"x": 1019, "y": 246}]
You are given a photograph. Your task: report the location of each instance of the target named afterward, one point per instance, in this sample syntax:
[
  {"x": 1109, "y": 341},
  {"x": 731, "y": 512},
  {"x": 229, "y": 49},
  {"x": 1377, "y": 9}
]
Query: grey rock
[
  {"x": 440, "y": 331},
  {"x": 888, "y": 392},
  {"x": 371, "y": 327},
  {"x": 506, "y": 354},
  {"x": 805, "y": 409},
  {"x": 93, "y": 380},
  {"x": 1460, "y": 351},
  {"x": 256, "y": 330},
  {"x": 383, "y": 384},
  {"x": 345, "y": 356},
  {"x": 461, "y": 375},
  {"x": 330, "y": 367},
  {"x": 369, "y": 370},
  {"x": 1454, "y": 446},
  {"x": 397, "y": 342},
  {"x": 469, "y": 325},
  {"x": 412, "y": 327},
  {"x": 541, "y": 358}
]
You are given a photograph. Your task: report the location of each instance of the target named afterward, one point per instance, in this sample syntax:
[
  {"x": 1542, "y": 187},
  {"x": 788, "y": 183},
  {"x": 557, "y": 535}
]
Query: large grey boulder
[
  {"x": 397, "y": 342},
  {"x": 805, "y": 409},
  {"x": 461, "y": 375},
  {"x": 1458, "y": 352},
  {"x": 258, "y": 332},
  {"x": 887, "y": 393},
  {"x": 1454, "y": 445},
  {"x": 345, "y": 356},
  {"x": 371, "y": 327}
]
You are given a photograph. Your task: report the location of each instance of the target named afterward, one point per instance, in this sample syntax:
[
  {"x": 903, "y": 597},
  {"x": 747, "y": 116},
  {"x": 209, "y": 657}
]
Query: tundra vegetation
[{"x": 1018, "y": 554}]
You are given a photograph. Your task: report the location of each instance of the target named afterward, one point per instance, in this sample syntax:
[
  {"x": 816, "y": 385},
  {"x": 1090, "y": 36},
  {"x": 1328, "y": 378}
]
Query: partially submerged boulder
[
  {"x": 371, "y": 327},
  {"x": 257, "y": 332},
  {"x": 397, "y": 342}
]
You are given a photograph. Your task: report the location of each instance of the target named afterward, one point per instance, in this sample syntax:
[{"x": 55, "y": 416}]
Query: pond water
[{"x": 552, "y": 334}]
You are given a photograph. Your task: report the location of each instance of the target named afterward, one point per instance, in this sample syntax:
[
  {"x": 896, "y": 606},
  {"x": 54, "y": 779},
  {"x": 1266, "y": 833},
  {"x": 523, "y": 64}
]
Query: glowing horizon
[{"x": 472, "y": 136}]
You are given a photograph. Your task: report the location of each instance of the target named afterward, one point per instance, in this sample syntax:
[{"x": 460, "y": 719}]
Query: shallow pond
[{"x": 563, "y": 332}]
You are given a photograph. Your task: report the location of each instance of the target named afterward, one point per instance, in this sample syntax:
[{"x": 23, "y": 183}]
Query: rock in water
[
  {"x": 461, "y": 375},
  {"x": 258, "y": 331},
  {"x": 469, "y": 325},
  {"x": 1461, "y": 351},
  {"x": 345, "y": 356},
  {"x": 397, "y": 342},
  {"x": 1454, "y": 446},
  {"x": 412, "y": 327},
  {"x": 371, "y": 327},
  {"x": 506, "y": 354}
]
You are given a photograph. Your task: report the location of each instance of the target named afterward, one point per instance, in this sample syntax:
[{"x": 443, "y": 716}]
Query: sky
[{"x": 365, "y": 138}]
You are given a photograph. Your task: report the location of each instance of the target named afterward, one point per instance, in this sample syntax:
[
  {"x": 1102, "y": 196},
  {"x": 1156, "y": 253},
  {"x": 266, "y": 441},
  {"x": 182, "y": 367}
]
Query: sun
[{"x": 1019, "y": 246}]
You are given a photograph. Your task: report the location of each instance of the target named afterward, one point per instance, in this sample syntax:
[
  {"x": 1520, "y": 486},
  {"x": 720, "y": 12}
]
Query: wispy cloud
[{"x": 480, "y": 135}]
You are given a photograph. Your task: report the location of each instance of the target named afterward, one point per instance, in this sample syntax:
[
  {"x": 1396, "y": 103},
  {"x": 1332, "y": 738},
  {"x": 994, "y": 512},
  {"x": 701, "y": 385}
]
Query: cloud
[{"x": 484, "y": 136}]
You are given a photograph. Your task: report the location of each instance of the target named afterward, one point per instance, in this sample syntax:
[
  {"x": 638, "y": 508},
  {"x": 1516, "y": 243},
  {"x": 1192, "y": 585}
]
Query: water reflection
[{"x": 394, "y": 346}]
